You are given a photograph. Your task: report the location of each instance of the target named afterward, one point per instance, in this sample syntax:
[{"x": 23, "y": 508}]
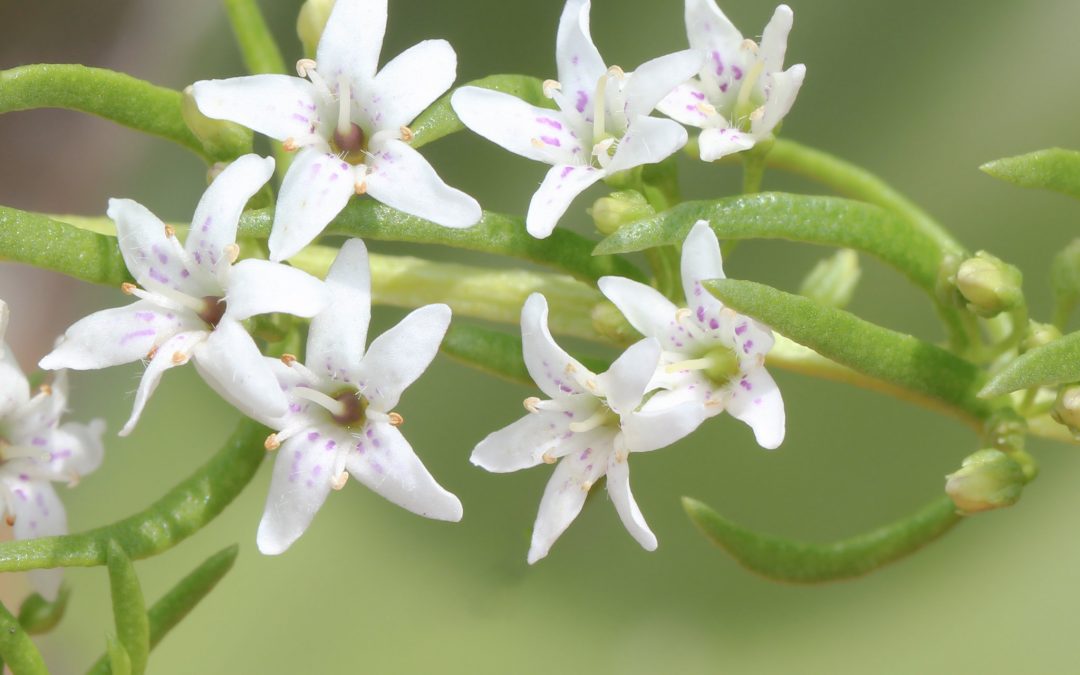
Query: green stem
[
  {"x": 257, "y": 45},
  {"x": 183, "y": 511},
  {"x": 16, "y": 647}
]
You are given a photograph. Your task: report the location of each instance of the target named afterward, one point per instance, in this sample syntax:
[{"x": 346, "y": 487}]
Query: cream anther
[
  {"x": 550, "y": 87},
  {"x": 271, "y": 443},
  {"x": 232, "y": 252},
  {"x": 305, "y": 66},
  {"x": 340, "y": 480},
  {"x": 532, "y": 404}
]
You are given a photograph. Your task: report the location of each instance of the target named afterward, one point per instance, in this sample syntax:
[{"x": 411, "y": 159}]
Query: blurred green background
[{"x": 920, "y": 92}]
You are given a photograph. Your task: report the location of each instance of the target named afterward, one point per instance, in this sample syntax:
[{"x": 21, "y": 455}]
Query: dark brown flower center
[
  {"x": 214, "y": 309},
  {"x": 354, "y": 405}
]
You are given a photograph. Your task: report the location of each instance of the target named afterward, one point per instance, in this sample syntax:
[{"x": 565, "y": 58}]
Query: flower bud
[
  {"x": 1006, "y": 430},
  {"x": 219, "y": 137},
  {"x": 310, "y": 23},
  {"x": 1038, "y": 335},
  {"x": 619, "y": 208},
  {"x": 38, "y": 615},
  {"x": 988, "y": 479},
  {"x": 1066, "y": 410},
  {"x": 990, "y": 285},
  {"x": 833, "y": 280}
]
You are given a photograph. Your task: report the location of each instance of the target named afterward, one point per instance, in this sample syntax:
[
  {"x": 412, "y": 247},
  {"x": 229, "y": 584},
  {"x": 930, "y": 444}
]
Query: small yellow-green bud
[
  {"x": 609, "y": 322},
  {"x": 1006, "y": 430},
  {"x": 619, "y": 208},
  {"x": 833, "y": 280},
  {"x": 988, "y": 479},
  {"x": 989, "y": 285},
  {"x": 1066, "y": 408},
  {"x": 218, "y": 136},
  {"x": 1038, "y": 335},
  {"x": 310, "y": 23}
]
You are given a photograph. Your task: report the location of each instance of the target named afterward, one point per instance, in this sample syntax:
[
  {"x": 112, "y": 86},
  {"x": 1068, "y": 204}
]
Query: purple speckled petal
[
  {"x": 561, "y": 185},
  {"x": 774, "y": 39},
  {"x": 524, "y": 443},
  {"x": 303, "y": 473},
  {"x": 618, "y": 487},
  {"x": 352, "y": 40},
  {"x": 658, "y": 425},
  {"x": 565, "y": 495},
  {"x": 644, "y": 307},
  {"x": 14, "y": 388},
  {"x": 400, "y": 355},
  {"x": 118, "y": 335},
  {"x": 717, "y": 142},
  {"x": 152, "y": 258},
  {"x": 278, "y": 106},
  {"x": 383, "y": 460},
  {"x": 400, "y": 177},
  {"x": 261, "y": 287},
  {"x": 781, "y": 90},
  {"x": 558, "y": 374},
  {"x": 688, "y": 104},
  {"x": 537, "y": 133},
  {"x": 315, "y": 189},
  {"x": 409, "y": 83},
  {"x": 579, "y": 63},
  {"x": 38, "y": 512},
  {"x": 39, "y": 415},
  {"x": 74, "y": 448},
  {"x": 231, "y": 364},
  {"x": 708, "y": 28},
  {"x": 624, "y": 383},
  {"x": 655, "y": 79},
  {"x": 173, "y": 352},
  {"x": 701, "y": 260},
  {"x": 338, "y": 336},
  {"x": 756, "y": 400},
  {"x": 648, "y": 140}
]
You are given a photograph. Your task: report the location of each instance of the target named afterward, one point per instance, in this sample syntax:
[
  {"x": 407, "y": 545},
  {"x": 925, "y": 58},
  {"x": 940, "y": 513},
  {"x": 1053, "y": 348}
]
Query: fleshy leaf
[
  {"x": 1054, "y": 169},
  {"x": 440, "y": 120},
  {"x": 828, "y": 221},
  {"x": 1056, "y": 362},
  {"x": 49, "y": 244},
  {"x": 920, "y": 367},
  {"x": 38, "y": 615},
  {"x": 17, "y": 649},
  {"x": 129, "y": 610},
  {"x": 806, "y": 563}
]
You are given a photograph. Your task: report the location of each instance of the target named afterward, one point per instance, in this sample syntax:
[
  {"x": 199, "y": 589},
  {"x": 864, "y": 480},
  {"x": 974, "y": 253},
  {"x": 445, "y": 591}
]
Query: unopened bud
[
  {"x": 219, "y": 137},
  {"x": 1038, "y": 335},
  {"x": 311, "y": 22},
  {"x": 833, "y": 280},
  {"x": 1006, "y": 430},
  {"x": 1066, "y": 408},
  {"x": 609, "y": 322},
  {"x": 988, "y": 479},
  {"x": 990, "y": 285},
  {"x": 619, "y": 208},
  {"x": 38, "y": 615}
]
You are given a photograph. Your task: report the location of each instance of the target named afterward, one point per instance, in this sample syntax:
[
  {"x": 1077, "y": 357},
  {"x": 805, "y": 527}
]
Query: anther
[
  {"x": 271, "y": 442},
  {"x": 128, "y": 288},
  {"x": 593, "y": 388},
  {"x": 406, "y": 134},
  {"x": 757, "y": 114},
  {"x": 170, "y": 231},
  {"x": 360, "y": 187},
  {"x": 749, "y": 45},
  {"x": 396, "y": 419},
  {"x": 304, "y": 66},
  {"x": 537, "y": 143},
  {"x": 532, "y": 404},
  {"x": 288, "y": 359},
  {"x": 152, "y": 353},
  {"x": 232, "y": 252},
  {"x": 586, "y": 485},
  {"x": 340, "y": 480},
  {"x": 46, "y": 389},
  {"x": 616, "y": 71},
  {"x": 550, "y": 87},
  {"x": 10, "y": 519},
  {"x": 548, "y": 458},
  {"x": 73, "y": 479},
  {"x": 290, "y": 145},
  {"x": 178, "y": 358}
]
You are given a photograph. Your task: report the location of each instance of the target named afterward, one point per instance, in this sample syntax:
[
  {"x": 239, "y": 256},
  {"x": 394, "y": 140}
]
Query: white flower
[
  {"x": 192, "y": 298},
  {"x": 741, "y": 93},
  {"x": 340, "y": 419},
  {"x": 602, "y": 125},
  {"x": 591, "y": 424},
  {"x": 35, "y": 449},
  {"x": 709, "y": 351},
  {"x": 349, "y": 124}
]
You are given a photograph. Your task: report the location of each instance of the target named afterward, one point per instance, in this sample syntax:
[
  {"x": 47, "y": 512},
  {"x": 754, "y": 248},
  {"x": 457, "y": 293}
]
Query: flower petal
[
  {"x": 352, "y": 40},
  {"x": 213, "y": 227},
  {"x": 303, "y": 472},
  {"x": 648, "y": 140},
  {"x": 152, "y": 257},
  {"x": 774, "y": 39},
  {"x": 338, "y": 334},
  {"x": 708, "y": 28},
  {"x": 315, "y": 189},
  {"x": 410, "y": 82},
  {"x": 655, "y": 79},
  {"x": 537, "y": 133},
  {"x": 644, "y": 307},
  {"x": 717, "y": 142},
  {"x": 524, "y": 443},
  {"x": 558, "y": 374},
  {"x": 561, "y": 185},
  {"x": 176, "y": 351},
  {"x": 38, "y": 512},
  {"x": 624, "y": 383},
  {"x": 118, "y": 335},
  {"x": 400, "y": 355},
  {"x": 278, "y": 106},
  {"x": 782, "y": 90},
  {"x": 701, "y": 260},
  {"x": 688, "y": 104},
  {"x": 38, "y": 416},
  {"x": 618, "y": 487},
  {"x": 579, "y": 63},
  {"x": 76, "y": 448},
  {"x": 565, "y": 495},
  {"x": 231, "y": 364},
  {"x": 14, "y": 388},
  {"x": 400, "y": 177},
  {"x": 756, "y": 400},
  {"x": 654, "y": 427},
  {"x": 261, "y": 287},
  {"x": 384, "y": 461}
]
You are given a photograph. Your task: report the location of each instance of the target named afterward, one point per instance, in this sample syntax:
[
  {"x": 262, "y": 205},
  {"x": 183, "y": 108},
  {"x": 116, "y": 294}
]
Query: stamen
[
  {"x": 396, "y": 419},
  {"x": 288, "y": 359},
  {"x": 332, "y": 405},
  {"x": 152, "y": 353},
  {"x": 161, "y": 294},
  {"x": 128, "y": 288},
  {"x": 586, "y": 485},
  {"x": 344, "y": 121},
  {"x": 290, "y": 145},
  {"x": 45, "y": 389},
  {"x": 601, "y": 152},
  {"x": 170, "y": 231},
  {"x": 179, "y": 358},
  {"x": 532, "y": 404},
  {"x": 232, "y": 252},
  {"x": 340, "y": 480},
  {"x": 598, "y": 418},
  {"x": 301, "y": 370},
  {"x": 747, "y": 89},
  {"x": 548, "y": 458},
  {"x": 598, "y": 109},
  {"x": 691, "y": 364},
  {"x": 305, "y": 66},
  {"x": 550, "y": 87},
  {"x": 406, "y": 134},
  {"x": 272, "y": 443},
  {"x": 10, "y": 519}
]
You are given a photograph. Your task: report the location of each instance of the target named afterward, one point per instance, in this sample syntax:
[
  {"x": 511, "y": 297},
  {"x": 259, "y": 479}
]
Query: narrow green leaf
[
  {"x": 1051, "y": 169},
  {"x": 827, "y": 221},
  {"x": 119, "y": 661},
  {"x": 440, "y": 120},
  {"x": 129, "y": 608},
  {"x": 806, "y": 563},
  {"x": 1054, "y": 363},
  {"x": 38, "y": 615},
  {"x": 257, "y": 45},
  {"x": 180, "y": 600},
  {"x": 920, "y": 367},
  {"x": 183, "y": 511},
  {"x": 497, "y": 353},
  {"x": 495, "y": 233},
  {"x": 114, "y": 96},
  {"x": 17, "y": 649},
  {"x": 49, "y": 244}
]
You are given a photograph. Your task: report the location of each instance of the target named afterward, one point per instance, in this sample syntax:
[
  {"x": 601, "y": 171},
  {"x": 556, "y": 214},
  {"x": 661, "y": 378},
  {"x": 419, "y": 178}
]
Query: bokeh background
[{"x": 920, "y": 92}]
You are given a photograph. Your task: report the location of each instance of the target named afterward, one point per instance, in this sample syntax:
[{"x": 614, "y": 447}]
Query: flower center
[
  {"x": 213, "y": 309},
  {"x": 719, "y": 364},
  {"x": 351, "y": 143},
  {"x": 347, "y": 406},
  {"x": 602, "y": 417},
  {"x": 605, "y": 141}
]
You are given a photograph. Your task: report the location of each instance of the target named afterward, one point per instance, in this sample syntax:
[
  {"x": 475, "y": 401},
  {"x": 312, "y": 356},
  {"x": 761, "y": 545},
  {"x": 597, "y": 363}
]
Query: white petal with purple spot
[{"x": 315, "y": 189}]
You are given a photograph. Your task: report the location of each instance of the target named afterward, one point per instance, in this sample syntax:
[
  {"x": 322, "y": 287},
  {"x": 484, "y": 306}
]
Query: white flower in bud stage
[
  {"x": 709, "y": 351},
  {"x": 340, "y": 419},
  {"x": 741, "y": 93},
  {"x": 192, "y": 298},
  {"x": 35, "y": 450},
  {"x": 349, "y": 124},
  {"x": 590, "y": 426},
  {"x": 602, "y": 125}
]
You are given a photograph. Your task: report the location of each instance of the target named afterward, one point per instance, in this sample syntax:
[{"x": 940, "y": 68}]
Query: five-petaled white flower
[
  {"x": 602, "y": 125},
  {"x": 709, "y": 351},
  {"x": 340, "y": 419},
  {"x": 349, "y": 124},
  {"x": 592, "y": 423},
  {"x": 192, "y": 298},
  {"x": 35, "y": 449},
  {"x": 741, "y": 93}
]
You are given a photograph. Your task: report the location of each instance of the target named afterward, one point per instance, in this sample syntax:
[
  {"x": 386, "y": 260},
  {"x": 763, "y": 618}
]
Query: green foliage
[
  {"x": 38, "y": 615},
  {"x": 440, "y": 120},
  {"x": 16, "y": 648},
  {"x": 38, "y": 240},
  {"x": 1051, "y": 169},
  {"x": 496, "y": 352},
  {"x": 257, "y": 46},
  {"x": 1053, "y": 363},
  {"x": 129, "y": 609}
]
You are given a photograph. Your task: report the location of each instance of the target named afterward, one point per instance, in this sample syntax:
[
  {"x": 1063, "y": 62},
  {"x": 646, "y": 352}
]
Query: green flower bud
[
  {"x": 990, "y": 285},
  {"x": 38, "y": 615},
  {"x": 833, "y": 280},
  {"x": 1066, "y": 410},
  {"x": 1038, "y": 335},
  {"x": 988, "y": 479},
  {"x": 619, "y": 208},
  {"x": 216, "y": 135},
  {"x": 310, "y": 23}
]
